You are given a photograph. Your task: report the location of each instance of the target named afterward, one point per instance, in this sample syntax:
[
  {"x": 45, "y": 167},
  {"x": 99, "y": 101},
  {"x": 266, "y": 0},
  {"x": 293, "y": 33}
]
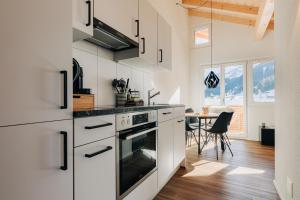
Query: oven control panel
[{"x": 129, "y": 120}]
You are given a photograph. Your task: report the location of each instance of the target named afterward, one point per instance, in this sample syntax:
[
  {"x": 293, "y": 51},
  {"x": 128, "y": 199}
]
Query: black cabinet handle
[
  {"x": 89, "y": 12},
  {"x": 65, "y": 74},
  {"x": 137, "y": 28},
  {"x": 144, "y": 45},
  {"x": 180, "y": 121},
  {"x": 161, "y": 55},
  {"x": 98, "y": 152},
  {"x": 167, "y": 113},
  {"x": 65, "y": 166},
  {"x": 98, "y": 126}
]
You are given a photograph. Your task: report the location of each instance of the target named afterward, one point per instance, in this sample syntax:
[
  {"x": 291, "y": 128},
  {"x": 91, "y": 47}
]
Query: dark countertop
[{"x": 107, "y": 110}]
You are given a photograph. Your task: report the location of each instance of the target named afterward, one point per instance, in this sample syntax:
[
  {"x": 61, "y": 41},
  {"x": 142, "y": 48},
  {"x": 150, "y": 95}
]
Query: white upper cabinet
[
  {"x": 82, "y": 19},
  {"x": 122, "y": 15},
  {"x": 164, "y": 44},
  {"x": 148, "y": 32},
  {"x": 37, "y": 161},
  {"x": 36, "y": 45}
]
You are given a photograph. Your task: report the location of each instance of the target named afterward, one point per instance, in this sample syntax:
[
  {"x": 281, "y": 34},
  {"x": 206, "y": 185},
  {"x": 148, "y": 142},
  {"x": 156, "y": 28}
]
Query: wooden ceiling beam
[
  {"x": 227, "y": 18},
  {"x": 223, "y": 6},
  {"x": 264, "y": 18}
]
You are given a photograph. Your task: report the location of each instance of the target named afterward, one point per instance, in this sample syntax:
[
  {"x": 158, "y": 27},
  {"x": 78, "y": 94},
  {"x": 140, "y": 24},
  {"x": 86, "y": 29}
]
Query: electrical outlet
[{"x": 289, "y": 187}]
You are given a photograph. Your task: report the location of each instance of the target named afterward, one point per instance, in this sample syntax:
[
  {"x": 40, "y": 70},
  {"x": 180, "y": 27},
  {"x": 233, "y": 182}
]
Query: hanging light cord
[{"x": 211, "y": 38}]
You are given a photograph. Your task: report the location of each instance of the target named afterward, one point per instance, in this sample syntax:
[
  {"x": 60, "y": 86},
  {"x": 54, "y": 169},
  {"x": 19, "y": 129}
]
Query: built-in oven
[{"x": 136, "y": 149}]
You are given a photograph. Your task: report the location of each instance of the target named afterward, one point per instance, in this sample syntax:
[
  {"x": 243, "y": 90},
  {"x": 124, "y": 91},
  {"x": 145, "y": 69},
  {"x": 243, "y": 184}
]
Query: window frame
[
  {"x": 197, "y": 28},
  {"x": 250, "y": 98}
]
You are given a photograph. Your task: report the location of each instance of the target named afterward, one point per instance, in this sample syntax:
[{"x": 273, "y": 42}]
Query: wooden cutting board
[{"x": 82, "y": 101}]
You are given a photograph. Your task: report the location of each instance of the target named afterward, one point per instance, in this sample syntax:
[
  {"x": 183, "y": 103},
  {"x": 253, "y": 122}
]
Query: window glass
[
  {"x": 202, "y": 36},
  {"x": 234, "y": 85},
  {"x": 212, "y": 96},
  {"x": 263, "y": 81}
]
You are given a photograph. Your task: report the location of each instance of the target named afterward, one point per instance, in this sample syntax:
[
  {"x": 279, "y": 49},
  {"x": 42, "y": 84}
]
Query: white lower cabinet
[
  {"x": 165, "y": 152},
  {"x": 179, "y": 140},
  {"x": 146, "y": 190},
  {"x": 37, "y": 161},
  {"x": 95, "y": 171}
]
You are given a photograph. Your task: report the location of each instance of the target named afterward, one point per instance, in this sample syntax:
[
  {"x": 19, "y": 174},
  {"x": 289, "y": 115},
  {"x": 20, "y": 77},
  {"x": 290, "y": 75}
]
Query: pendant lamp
[{"x": 212, "y": 80}]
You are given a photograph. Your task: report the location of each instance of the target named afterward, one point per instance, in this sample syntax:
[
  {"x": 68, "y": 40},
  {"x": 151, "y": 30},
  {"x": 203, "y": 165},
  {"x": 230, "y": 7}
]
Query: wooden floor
[{"x": 246, "y": 176}]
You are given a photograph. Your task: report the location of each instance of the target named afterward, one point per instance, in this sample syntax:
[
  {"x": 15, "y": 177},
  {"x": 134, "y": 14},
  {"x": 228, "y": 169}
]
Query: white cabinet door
[
  {"x": 148, "y": 32},
  {"x": 164, "y": 44},
  {"x": 82, "y": 12},
  {"x": 179, "y": 140},
  {"x": 121, "y": 15},
  {"x": 31, "y": 159},
  {"x": 36, "y": 44},
  {"x": 95, "y": 171},
  {"x": 165, "y": 152}
]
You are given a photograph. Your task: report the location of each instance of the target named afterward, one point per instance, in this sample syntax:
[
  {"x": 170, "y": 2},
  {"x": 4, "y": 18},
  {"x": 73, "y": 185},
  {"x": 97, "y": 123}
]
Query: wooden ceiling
[{"x": 256, "y": 13}]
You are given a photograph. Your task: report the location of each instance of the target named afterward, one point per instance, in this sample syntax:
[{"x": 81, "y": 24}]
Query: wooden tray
[{"x": 81, "y": 101}]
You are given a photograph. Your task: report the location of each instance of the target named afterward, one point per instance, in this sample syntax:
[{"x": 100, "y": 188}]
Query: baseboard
[{"x": 278, "y": 191}]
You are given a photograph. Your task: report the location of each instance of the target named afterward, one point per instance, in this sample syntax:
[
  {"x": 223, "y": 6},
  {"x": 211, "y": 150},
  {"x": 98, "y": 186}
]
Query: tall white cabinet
[
  {"x": 148, "y": 32},
  {"x": 36, "y": 161},
  {"x": 122, "y": 15},
  {"x": 164, "y": 44},
  {"x": 36, "y": 107},
  {"x": 36, "y": 45}
]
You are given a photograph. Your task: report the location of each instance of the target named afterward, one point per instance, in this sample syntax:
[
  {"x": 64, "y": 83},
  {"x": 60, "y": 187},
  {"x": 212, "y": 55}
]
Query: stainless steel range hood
[{"x": 109, "y": 38}]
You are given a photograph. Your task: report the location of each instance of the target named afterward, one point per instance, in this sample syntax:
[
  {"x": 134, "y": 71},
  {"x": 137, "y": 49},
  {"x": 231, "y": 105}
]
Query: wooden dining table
[{"x": 205, "y": 117}]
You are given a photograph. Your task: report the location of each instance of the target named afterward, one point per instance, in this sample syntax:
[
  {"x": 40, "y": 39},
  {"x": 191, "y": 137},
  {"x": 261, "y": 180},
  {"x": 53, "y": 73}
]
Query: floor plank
[{"x": 246, "y": 176}]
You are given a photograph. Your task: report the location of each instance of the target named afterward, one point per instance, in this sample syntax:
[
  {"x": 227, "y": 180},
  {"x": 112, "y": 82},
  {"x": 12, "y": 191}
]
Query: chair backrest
[
  {"x": 188, "y": 127},
  {"x": 191, "y": 120},
  {"x": 230, "y": 114},
  {"x": 221, "y": 124}
]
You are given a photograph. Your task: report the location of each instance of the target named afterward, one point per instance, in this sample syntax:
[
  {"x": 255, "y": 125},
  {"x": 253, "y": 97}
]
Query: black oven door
[{"x": 137, "y": 155}]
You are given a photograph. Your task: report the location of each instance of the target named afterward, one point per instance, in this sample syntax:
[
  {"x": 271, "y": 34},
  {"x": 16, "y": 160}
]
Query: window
[
  {"x": 234, "y": 85},
  {"x": 263, "y": 81},
  {"x": 212, "y": 96},
  {"x": 202, "y": 36}
]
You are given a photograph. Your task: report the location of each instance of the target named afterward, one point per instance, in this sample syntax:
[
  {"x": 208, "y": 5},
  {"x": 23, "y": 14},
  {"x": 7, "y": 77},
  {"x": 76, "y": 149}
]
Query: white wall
[
  {"x": 99, "y": 69},
  {"x": 287, "y": 108},
  {"x": 231, "y": 43}
]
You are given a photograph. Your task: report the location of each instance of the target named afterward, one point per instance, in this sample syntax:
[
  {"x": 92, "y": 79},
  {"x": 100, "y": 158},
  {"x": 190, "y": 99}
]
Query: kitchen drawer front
[
  {"x": 165, "y": 114},
  {"x": 91, "y": 129},
  {"x": 95, "y": 172},
  {"x": 179, "y": 112}
]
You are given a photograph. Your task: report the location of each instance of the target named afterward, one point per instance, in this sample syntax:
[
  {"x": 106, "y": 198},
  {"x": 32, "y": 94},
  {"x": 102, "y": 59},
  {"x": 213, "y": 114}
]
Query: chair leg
[
  {"x": 227, "y": 138},
  {"x": 228, "y": 147},
  {"x": 216, "y": 145}
]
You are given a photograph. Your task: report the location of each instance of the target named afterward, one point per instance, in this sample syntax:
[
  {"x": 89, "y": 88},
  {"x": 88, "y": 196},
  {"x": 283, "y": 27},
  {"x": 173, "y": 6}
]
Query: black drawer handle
[
  {"x": 89, "y": 12},
  {"x": 144, "y": 45},
  {"x": 167, "y": 113},
  {"x": 98, "y": 152},
  {"x": 65, "y": 135},
  {"x": 180, "y": 121},
  {"x": 137, "y": 28},
  {"x": 161, "y": 55},
  {"x": 65, "y": 74},
  {"x": 98, "y": 126}
]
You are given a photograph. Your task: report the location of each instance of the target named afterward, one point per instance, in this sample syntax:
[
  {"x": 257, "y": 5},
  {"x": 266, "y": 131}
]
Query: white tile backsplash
[
  {"x": 107, "y": 71},
  {"x": 100, "y": 69}
]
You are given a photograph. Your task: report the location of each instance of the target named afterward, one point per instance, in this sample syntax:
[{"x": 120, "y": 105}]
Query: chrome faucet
[{"x": 151, "y": 96}]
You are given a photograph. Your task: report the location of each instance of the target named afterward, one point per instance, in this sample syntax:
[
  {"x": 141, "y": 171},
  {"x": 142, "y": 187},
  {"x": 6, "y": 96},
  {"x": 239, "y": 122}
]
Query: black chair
[
  {"x": 230, "y": 114},
  {"x": 219, "y": 128},
  {"x": 188, "y": 137},
  {"x": 192, "y": 121}
]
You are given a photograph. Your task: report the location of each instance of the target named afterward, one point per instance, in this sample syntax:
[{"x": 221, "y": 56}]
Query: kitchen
[
  {"x": 119, "y": 99},
  {"x": 103, "y": 151}
]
